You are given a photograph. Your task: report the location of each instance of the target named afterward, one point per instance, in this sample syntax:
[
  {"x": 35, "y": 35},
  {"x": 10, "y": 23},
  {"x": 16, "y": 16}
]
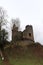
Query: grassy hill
[{"x": 29, "y": 55}]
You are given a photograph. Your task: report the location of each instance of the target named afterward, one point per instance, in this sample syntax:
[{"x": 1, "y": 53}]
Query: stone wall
[
  {"x": 28, "y": 33},
  {"x": 24, "y": 37}
]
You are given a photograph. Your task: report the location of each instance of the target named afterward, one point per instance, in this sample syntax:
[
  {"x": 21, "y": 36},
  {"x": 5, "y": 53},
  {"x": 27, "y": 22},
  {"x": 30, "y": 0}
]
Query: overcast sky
[{"x": 29, "y": 12}]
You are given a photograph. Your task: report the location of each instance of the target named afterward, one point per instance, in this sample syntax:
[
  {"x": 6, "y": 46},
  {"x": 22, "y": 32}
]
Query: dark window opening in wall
[{"x": 30, "y": 34}]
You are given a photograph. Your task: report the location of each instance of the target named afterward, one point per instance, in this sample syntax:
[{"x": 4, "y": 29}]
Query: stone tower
[
  {"x": 16, "y": 35},
  {"x": 14, "y": 32},
  {"x": 28, "y": 33}
]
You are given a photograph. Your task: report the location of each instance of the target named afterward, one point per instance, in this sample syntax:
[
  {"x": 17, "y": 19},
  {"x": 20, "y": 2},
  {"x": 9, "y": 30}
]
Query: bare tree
[
  {"x": 3, "y": 21},
  {"x": 16, "y": 22},
  {"x": 3, "y": 33},
  {"x": 3, "y": 15}
]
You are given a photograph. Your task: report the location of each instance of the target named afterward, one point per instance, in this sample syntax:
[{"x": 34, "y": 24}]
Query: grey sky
[{"x": 29, "y": 12}]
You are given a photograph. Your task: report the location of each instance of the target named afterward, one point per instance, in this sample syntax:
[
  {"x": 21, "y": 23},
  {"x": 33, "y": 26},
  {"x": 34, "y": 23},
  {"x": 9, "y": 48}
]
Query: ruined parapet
[{"x": 28, "y": 33}]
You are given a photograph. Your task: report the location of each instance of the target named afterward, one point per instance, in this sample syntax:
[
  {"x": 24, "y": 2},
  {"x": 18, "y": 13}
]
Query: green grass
[
  {"x": 26, "y": 61},
  {"x": 23, "y": 58},
  {"x": 1, "y": 62}
]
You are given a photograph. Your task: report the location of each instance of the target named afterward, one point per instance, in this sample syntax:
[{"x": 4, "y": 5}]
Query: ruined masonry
[{"x": 23, "y": 38}]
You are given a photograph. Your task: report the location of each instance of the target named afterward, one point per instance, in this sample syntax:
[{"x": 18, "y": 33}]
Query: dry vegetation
[{"x": 29, "y": 55}]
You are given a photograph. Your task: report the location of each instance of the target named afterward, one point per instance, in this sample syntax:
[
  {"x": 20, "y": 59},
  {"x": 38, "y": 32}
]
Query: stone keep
[{"x": 28, "y": 33}]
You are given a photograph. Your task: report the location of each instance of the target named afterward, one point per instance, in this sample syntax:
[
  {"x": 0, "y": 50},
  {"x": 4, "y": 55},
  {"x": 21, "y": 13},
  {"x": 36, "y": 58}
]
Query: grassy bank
[{"x": 33, "y": 55}]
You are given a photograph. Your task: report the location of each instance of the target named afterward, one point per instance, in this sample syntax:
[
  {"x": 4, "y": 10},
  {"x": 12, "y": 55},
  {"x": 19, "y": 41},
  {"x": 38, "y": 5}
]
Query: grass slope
[{"x": 31, "y": 55}]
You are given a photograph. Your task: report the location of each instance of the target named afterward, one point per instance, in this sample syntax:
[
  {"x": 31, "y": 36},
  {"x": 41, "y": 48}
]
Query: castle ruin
[
  {"x": 25, "y": 37},
  {"x": 28, "y": 33}
]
